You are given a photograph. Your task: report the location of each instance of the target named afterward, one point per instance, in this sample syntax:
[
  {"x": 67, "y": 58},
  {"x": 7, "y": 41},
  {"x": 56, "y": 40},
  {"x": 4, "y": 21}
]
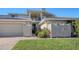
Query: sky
[{"x": 60, "y": 12}]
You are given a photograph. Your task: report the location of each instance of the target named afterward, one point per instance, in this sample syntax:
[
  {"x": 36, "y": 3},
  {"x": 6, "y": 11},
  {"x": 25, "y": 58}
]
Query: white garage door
[{"x": 11, "y": 29}]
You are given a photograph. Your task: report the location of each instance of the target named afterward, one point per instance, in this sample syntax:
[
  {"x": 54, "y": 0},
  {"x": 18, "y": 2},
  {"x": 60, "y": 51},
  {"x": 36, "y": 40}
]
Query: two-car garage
[{"x": 15, "y": 28}]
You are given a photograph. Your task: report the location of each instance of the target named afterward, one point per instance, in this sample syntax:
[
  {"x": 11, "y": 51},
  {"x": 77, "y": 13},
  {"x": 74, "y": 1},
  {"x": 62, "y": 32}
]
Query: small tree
[{"x": 76, "y": 27}]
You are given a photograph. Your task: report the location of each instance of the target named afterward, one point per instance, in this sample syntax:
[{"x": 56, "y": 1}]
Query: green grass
[{"x": 48, "y": 44}]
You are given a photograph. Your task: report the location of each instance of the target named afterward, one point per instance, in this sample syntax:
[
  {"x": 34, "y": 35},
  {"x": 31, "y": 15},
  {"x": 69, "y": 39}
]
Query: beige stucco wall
[
  {"x": 27, "y": 29},
  {"x": 48, "y": 23},
  {"x": 44, "y": 25}
]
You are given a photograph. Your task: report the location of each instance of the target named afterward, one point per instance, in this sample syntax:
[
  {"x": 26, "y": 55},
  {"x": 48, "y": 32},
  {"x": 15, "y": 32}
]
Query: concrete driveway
[{"x": 6, "y": 43}]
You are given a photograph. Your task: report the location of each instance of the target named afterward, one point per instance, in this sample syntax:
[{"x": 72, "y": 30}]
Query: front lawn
[{"x": 48, "y": 44}]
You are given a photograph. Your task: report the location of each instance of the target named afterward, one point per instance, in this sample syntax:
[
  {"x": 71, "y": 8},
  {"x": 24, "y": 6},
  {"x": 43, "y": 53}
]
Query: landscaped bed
[{"x": 48, "y": 44}]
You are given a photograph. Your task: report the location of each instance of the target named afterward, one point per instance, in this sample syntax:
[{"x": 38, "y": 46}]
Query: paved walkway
[{"x": 6, "y": 43}]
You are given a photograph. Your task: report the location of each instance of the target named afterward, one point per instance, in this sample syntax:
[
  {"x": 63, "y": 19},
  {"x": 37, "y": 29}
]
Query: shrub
[
  {"x": 37, "y": 32},
  {"x": 43, "y": 33}
]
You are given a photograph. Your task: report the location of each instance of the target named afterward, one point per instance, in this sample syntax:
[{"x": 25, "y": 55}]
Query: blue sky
[{"x": 62, "y": 12}]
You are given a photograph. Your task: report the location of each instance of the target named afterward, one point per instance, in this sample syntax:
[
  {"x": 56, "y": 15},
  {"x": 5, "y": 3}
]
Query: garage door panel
[
  {"x": 11, "y": 29},
  {"x": 61, "y": 30}
]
